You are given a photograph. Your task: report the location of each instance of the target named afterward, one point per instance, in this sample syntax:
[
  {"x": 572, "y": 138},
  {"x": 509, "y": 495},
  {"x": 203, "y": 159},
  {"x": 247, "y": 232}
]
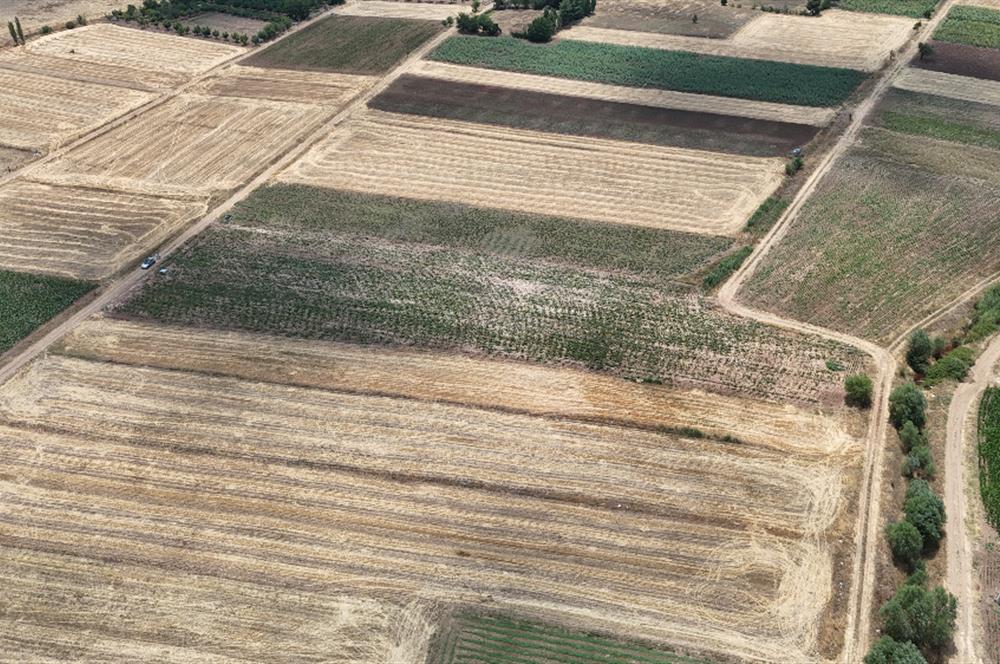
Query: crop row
[
  {"x": 989, "y": 453},
  {"x": 762, "y": 80}
]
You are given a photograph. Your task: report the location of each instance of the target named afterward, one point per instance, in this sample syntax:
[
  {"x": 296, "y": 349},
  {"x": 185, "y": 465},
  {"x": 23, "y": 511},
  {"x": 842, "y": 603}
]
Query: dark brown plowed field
[
  {"x": 963, "y": 60},
  {"x": 580, "y": 116}
]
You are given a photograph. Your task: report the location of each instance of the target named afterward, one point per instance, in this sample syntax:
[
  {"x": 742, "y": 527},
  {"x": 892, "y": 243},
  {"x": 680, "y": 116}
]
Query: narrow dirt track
[
  {"x": 959, "y": 547},
  {"x": 858, "y": 630}
]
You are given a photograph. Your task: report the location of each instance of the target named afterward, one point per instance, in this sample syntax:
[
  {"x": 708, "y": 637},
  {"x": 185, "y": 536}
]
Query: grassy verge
[
  {"x": 911, "y": 8},
  {"x": 760, "y": 80},
  {"x": 989, "y": 454},
  {"x": 973, "y": 26},
  {"x": 347, "y": 44},
  {"x": 500, "y": 640},
  {"x": 766, "y": 215},
  {"x": 27, "y": 301},
  {"x": 724, "y": 268}
]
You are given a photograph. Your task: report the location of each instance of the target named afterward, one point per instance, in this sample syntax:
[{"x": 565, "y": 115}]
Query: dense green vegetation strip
[
  {"x": 505, "y": 641},
  {"x": 766, "y": 215},
  {"x": 348, "y": 44},
  {"x": 27, "y": 301},
  {"x": 974, "y": 26},
  {"x": 941, "y": 129},
  {"x": 989, "y": 453},
  {"x": 911, "y": 8},
  {"x": 760, "y": 80}
]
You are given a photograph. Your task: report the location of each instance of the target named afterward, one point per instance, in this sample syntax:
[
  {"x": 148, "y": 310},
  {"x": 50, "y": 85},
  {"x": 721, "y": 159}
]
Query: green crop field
[
  {"x": 480, "y": 639},
  {"x": 941, "y": 129},
  {"x": 347, "y": 44},
  {"x": 989, "y": 453},
  {"x": 974, "y": 26},
  {"x": 373, "y": 270},
  {"x": 760, "y": 80},
  {"x": 911, "y": 8},
  {"x": 27, "y": 301}
]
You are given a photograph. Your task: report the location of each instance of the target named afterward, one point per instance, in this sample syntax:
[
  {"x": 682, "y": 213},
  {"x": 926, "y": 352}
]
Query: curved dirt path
[{"x": 959, "y": 547}]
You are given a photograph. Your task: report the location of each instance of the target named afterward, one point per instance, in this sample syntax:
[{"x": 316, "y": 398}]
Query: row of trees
[
  {"x": 16, "y": 33},
  {"x": 556, "y": 14}
]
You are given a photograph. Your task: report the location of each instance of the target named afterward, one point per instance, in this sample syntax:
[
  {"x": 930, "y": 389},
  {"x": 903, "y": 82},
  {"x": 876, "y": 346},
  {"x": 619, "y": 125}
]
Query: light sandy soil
[
  {"x": 74, "y": 608},
  {"x": 449, "y": 378},
  {"x": 428, "y": 11},
  {"x": 317, "y": 488},
  {"x": 191, "y": 145},
  {"x": 965, "y": 88},
  {"x": 82, "y": 233},
  {"x": 36, "y": 13},
  {"x": 601, "y": 180},
  {"x": 835, "y": 39},
  {"x": 683, "y": 101},
  {"x": 41, "y": 112},
  {"x": 12, "y": 158},
  {"x": 283, "y": 85}
]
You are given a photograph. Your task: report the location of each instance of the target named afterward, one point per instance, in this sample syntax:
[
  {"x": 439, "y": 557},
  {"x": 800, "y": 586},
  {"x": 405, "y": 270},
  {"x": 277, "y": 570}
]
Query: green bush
[
  {"x": 888, "y": 650},
  {"x": 905, "y": 542},
  {"x": 907, "y": 403},
  {"x": 46, "y": 30},
  {"x": 477, "y": 24},
  {"x": 925, "y": 510},
  {"x": 953, "y": 366},
  {"x": 543, "y": 28},
  {"x": 919, "y": 349},
  {"x": 858, "y": 390},
  {"x": 986, "y": 316},
  {"x": 924, "y": 617},
  {"x": 726, "y": 267},
  {"x": 910, "y": 436},
  {"x": 919, "y": 462}
]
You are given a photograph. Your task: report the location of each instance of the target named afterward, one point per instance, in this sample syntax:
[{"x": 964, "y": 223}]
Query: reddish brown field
[{"x": 963, "y": 60}]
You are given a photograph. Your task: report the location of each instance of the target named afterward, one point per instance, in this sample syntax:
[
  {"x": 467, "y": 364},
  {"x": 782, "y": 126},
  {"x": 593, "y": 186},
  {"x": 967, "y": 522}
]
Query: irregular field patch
[
  {"x": 837, "y": 38},
  {"x": 883, "y": 243},
  {"x": 280, "y": 85},
  {"x": 670, "y": 99},
  {"x": 190, "y": 145},
  {"x": 326, "y": 490},
  {"x": 761, "y": 80},
  {"x": 963, "y": 60},
  {"x": 588, "y": 117},
  {"x": 600, "y": 180},
  {"x": 941, "y": 84},
  {"x": 83, "y": 233},
  {"x": 378, "y": 284},
  {"x": 29, "y": 300},
  {"x": 41, "y": 112},
  {"x": 348, "y": 44}
]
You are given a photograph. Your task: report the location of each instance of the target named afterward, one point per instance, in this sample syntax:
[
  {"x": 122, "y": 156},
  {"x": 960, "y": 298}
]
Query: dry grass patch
[
  {"x": 42, "y": 112},
  {"x": 36, "y": 13},
  {"x": 601, "y": 180},
  {"x": 425, "y": 11},
  {"x": 835, "y": 39},
  {"x": 682, "y": 101},
  {"x": 319, "y": 489},
  {"x": 82, "y": 233},
  {"x": 282, "y": 85},
  {"x": 192, "y": 145},
  {"x": 943, "y": 84}
]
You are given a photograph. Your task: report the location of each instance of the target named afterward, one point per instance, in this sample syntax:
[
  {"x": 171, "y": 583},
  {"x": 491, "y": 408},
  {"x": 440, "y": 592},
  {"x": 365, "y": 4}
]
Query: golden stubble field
[
  {"x": 529, "y": 171},
  {"x": 242, "y": 459}
]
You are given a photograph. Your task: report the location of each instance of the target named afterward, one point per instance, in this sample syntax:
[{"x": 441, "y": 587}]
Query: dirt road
[{"x": 959, "y": 547}]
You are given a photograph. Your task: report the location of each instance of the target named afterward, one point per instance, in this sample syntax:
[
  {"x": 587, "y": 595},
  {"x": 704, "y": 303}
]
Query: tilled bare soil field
[
  {"x": 82, "y": 233},
  {"x": 835, "y": 39},
  {"x": 601, "y": 180},
  {"x": 318, "y": 489},
  {"x": 963, "y": 60}
]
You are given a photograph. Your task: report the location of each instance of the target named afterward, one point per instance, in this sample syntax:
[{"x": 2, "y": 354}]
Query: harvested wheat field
[
  {"x": 428, "y": 11},
  {"x": 152, "y": 59},
  {"x": 835, "y": 39},
  {"x": 82, "y": 233},
  {"x": 192, "y": 145},
  {"x": 447, "y": 378},
  {"x": 42, "y": 112},
  {"x": 670, "y": 99},
  {"x": 59, "y": 607},
  {"x": 949, "y": 85},
  {"x": 285, "y": 85},
  {"x": 600, "y": 180},
  {"x": 327, "y": 490}
]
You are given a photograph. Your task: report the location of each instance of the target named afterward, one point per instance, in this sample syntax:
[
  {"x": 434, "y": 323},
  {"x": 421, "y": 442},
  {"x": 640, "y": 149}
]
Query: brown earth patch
[
  {"x": 590, "y": 117},
  {"x": 675, "y": 18},
  {"x": 963, "y": 60}
]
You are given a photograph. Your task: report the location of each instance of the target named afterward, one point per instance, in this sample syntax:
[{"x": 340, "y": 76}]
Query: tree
[
  {"x": 925, "y": 510},
  {"x": 543, "y": 27},
  {"x": 888, "y": 650},
  {"x": 859, "y": 391},
  {"x": 20, "y": 32},
  {"x": 905, "y": 541},
  {"x": 924, "y": 49},
  {"x": 907, "y": 403},
  {"x": 910, "y": 436},
  {"x": 919, "y": 462},
  {"x": 919, "y": 351},
  {"x": 13, "y": 32},
  {"x": 297, "y": 10},
  {"x": 814, "y": 7},
  {"x": 925, "y": 617}
]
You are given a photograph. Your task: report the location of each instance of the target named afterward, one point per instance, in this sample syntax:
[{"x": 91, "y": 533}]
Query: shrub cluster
[
  {"x": 477, "y": 24},
  {"x": 556, "y": 14}
]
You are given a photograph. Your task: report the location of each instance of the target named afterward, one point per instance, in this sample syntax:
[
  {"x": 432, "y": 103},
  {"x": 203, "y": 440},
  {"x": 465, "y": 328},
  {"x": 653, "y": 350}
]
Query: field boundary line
[{"x": 858, "y": 631}]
